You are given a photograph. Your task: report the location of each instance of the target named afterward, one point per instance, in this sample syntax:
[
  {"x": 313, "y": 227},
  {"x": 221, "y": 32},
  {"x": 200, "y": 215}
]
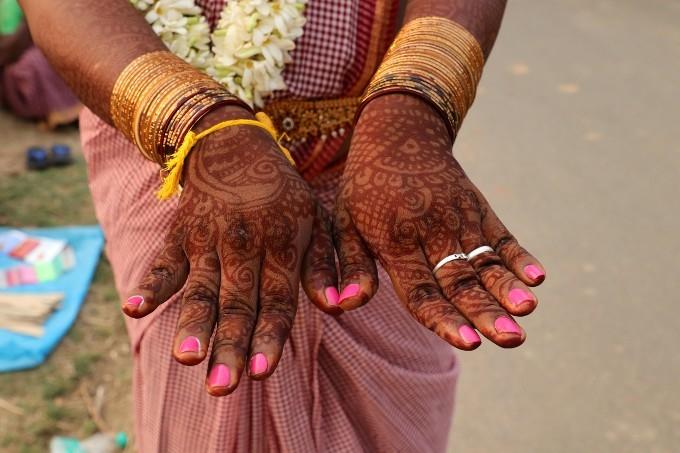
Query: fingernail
[
  {"x": 349, "y": 291},
  {"x": 534, "y": 272},
  {"x": 332, "y": 296},
  {"x": 469, "y": 335},
  {"x": 258, "y": 364},
  {"x": 517, "y": 296},
  {"x": 134, "y": 301},
  {"x": 506, "y": 325},
  {"x": 190, "y": 344},
  {"x": 220, "y": 376}
]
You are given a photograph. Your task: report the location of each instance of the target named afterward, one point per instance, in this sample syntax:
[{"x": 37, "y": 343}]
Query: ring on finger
[
  {"x": 478, "y": 251},
  {"x": 448, "y": 259}
]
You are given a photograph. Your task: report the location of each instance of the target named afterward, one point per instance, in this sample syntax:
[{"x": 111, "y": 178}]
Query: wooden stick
[
  {"x": 9, "y": 407},
  {"x": 92, "y": 410}
]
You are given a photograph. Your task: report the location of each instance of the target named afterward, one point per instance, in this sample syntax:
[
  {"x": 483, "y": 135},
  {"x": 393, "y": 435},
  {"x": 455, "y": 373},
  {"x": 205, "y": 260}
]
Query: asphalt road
[{"x": 574, "y": 139}]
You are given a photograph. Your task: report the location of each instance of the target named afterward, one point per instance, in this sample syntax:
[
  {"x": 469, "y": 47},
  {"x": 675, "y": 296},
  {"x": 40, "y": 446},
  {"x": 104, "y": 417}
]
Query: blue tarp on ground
[{"x": 18, "y": 352}]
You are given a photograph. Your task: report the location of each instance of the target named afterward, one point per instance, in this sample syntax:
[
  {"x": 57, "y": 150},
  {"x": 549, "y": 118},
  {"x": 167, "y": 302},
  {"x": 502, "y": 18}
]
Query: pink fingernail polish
[
  {"x": 135, "y": 301},
  {"x": 517, "y": 296},
  {"x": 534, "y": 272},
  {"x": 506, "y": 325},
  {"x": 220, "y": 376},
  {"x": 258, "y": 364},
  {"x": 190, "y": 344},
  {"x": 350, "y": 290},
  {"x": 332, "y": 296},
  {"x": 469, "y": 335}
]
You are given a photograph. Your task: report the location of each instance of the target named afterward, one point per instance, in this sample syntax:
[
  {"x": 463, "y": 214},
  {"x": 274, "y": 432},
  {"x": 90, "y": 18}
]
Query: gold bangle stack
[
  {"x": 435, "y": 59},
  {"x": 159, "y": 98}
]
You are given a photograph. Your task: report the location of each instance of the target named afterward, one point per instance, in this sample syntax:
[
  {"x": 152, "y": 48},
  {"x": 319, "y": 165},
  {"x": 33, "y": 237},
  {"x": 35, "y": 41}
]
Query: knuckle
[
  {"x": 486, "y": 262},
  {"x": 280, "y": 232},
  {"x": 353, "y": 270},
  {"x": 199, "y": 292},
  {"x": 235, "y": 305},
  {"x": 421, "y": 294},
  {"x": 492, "y": 274},
  {"x": 320, "y": 261},
  {"x": 239, "y": 234},
  {"x": 504, "y": 242},
  {"x": 432, "y": 312},
  {"x": 162, "y": 273},
  {"x": 460, "y": 280},
  {"x": 278, "y": 305}
]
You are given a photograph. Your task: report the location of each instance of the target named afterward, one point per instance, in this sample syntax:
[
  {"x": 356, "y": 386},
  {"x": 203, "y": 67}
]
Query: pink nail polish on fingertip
[
  {"x": 332, "y": 297},
  {"x": 220, "y": 376},
  {"x": 469, "y": 335},
  {"x": 135, "y": 301},
  {"x": 190, "y": 344},
  {"x": 518, "y": 296},
  {"x": 350, "y": 290},
  {"x": 534, "y": 272},
  {"x": 506, "y": 325},
  {"x": 258, "y": 364}
]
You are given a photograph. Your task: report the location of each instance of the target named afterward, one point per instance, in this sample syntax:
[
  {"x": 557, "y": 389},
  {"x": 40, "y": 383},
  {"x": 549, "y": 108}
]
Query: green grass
[
  {"x": 53, "y": 197},
  {"x": 50, "y": 396}
]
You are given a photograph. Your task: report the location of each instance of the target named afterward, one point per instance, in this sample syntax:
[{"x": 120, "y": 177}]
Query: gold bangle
[
  {"x": 158, "y": 98},
  {"x": 436, "y": 59}
]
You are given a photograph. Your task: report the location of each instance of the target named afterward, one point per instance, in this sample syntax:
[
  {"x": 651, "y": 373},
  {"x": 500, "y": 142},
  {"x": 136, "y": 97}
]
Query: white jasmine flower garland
[{"x": 248, "y": 50}]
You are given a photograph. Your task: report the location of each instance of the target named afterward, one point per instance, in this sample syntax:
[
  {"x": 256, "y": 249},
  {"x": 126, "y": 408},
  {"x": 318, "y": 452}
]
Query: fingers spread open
[
  {"x": 236, "y": 314},
  {"x": 319, "y": 274},
  {"x": 416, "y": 287},
  {"x": 460, "y": 284},
  {"x": 357, "y": 267},
  {"x": 197, "y": 313},
  {"x": 277, "y": 305},
  {"x": 166, "y": 276},
  {"x": 525, "y": 266}
]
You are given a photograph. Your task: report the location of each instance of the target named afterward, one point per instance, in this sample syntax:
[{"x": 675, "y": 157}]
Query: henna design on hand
[
  {"x": 412, "y": 204},
  {"x": 243, "y": 225}
]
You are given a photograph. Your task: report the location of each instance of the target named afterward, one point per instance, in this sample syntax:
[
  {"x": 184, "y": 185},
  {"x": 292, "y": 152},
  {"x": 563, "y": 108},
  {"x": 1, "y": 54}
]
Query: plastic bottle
[{"x": 99, "y": 443}]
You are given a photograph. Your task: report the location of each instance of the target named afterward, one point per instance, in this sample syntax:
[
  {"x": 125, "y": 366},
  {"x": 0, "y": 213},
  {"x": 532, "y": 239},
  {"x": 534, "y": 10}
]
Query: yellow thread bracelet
[{"x": 175, "y": 164}]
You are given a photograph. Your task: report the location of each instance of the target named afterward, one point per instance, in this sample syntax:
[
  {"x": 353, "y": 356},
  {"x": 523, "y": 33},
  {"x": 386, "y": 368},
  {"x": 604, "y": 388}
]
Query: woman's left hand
[{"x": 407, "y": 197}]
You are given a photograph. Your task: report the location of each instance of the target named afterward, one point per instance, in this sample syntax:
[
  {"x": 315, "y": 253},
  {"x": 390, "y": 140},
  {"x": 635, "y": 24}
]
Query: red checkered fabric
[
  {"x": 335, "y": 37},
  {"x": 370, "y": 380}
]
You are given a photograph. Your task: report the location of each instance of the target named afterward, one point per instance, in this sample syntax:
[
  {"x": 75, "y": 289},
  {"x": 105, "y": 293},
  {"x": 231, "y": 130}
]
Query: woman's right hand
[{"x": 244, "y": 223}]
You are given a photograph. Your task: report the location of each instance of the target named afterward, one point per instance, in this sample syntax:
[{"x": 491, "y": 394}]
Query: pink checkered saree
[{"x": 371, "y": 380}]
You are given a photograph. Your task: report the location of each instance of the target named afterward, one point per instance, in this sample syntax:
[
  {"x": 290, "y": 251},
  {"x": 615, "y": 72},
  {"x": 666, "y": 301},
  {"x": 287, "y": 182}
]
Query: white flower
[
  {"x": 142, "y": 5},
  {"x": 250, "y": 46}
]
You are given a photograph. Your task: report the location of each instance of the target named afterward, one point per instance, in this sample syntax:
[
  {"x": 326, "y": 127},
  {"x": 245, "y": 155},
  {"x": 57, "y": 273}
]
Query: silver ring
[
  {"x": 479, "y": 251},
  {"x": 448, "y": 259}
]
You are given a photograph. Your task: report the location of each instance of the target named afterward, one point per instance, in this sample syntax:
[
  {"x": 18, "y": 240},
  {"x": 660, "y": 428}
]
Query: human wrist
[
  {"x": 406, "y": 112},
  {"x": 220, "y": 114}
]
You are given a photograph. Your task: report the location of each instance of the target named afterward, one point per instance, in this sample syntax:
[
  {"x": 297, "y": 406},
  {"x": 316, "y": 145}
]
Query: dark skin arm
[
  {"x": 482, "y": 18},
  {"x": 245, "y": 217},
  {"x": 103, "y": 38},
  {"x": 410, "y": 201},
  {"x": 12, "y": 46}
]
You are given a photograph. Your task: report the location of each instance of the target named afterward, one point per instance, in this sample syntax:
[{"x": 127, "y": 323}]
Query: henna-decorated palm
[
  {"x": 411, "y": 202},
  {"x": 244, "y": 222}
]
